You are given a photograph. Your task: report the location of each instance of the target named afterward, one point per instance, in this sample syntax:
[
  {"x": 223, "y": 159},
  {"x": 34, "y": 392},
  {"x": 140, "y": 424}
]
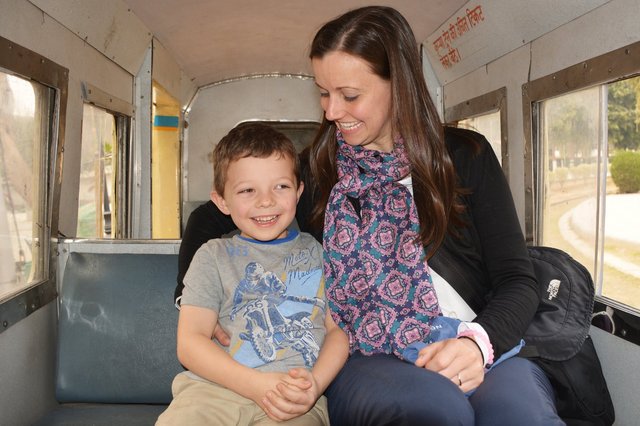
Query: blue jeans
[{"x": 383, "y": 390}]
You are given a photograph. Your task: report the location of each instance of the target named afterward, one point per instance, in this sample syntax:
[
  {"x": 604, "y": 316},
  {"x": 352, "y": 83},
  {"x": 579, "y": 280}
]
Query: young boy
[{"x": 266, "y": 289}]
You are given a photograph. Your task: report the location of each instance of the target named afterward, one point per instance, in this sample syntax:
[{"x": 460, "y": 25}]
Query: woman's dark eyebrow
[{"x": 337, "y": 88}]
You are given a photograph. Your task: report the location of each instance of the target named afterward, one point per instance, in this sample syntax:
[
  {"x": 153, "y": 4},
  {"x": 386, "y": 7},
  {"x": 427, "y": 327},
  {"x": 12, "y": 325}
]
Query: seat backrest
[{"x": 117, "y": 328}]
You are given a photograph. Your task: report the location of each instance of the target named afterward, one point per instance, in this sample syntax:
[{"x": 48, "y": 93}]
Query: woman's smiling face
[{"x": 356, "y": 99}]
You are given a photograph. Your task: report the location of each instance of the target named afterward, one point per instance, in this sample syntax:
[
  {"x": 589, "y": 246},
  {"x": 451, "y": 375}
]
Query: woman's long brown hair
[{"x": 383, "y": 38}]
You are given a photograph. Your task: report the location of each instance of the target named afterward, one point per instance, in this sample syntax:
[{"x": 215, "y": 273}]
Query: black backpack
[{"x": 558, "y": 338}]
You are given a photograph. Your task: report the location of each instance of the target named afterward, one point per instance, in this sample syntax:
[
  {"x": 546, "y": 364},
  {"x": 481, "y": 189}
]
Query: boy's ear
[
  {"x": 300, "y": 189},
  {"x": 218, "y": 200}
]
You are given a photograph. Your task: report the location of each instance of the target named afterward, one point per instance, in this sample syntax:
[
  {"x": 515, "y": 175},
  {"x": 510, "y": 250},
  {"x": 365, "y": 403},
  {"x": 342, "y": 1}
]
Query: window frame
[
  {"x": 494, "y": 101},
  {"x": 24, "y": 63},
  {"x": 123, "y": 113},
  {"x": 607, "y": 68}
]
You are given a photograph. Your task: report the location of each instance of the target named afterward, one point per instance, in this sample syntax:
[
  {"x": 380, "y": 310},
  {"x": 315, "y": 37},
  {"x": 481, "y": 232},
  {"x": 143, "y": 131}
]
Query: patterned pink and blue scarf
[{"x": 378, "y": 284}]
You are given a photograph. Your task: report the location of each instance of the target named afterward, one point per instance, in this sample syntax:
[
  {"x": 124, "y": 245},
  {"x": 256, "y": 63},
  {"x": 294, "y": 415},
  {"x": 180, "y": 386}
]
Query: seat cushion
[{"x": 117, "y": 329}]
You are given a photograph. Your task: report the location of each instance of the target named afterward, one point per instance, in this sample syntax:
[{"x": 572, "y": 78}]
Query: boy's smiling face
[{"x": 261, "y": 195}]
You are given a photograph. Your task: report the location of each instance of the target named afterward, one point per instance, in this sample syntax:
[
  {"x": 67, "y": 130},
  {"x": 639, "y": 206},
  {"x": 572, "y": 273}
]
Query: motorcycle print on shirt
[{"x": 275, "y": 315}]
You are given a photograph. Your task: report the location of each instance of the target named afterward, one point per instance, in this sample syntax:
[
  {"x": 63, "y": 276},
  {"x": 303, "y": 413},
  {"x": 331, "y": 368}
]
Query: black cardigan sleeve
[
  {"x": 205, "y": 222},
  {"x": 488, "y": 263}
]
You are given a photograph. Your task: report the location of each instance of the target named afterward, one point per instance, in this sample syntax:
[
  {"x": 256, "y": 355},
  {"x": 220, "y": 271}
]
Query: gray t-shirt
[{"x": 269, "y": 297}]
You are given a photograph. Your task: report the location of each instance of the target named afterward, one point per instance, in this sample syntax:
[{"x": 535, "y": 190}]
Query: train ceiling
[{"x": 217, "y": 40}]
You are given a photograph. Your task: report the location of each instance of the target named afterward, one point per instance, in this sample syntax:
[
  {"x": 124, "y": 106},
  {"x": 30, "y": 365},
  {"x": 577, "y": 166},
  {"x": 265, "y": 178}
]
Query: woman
[
  {"x": 389, "y": 187},
  {"x": 368, "y": 71}
]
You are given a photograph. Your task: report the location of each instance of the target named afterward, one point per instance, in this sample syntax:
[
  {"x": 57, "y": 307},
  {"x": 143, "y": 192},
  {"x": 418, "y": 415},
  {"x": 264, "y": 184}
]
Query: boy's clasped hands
[{"x": 285, "y": 396}]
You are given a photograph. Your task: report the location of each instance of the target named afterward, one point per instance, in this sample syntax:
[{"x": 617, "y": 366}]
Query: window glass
[
  {"x": 24, "y": 124},
  {"x": 590, "y": 193},
  {"x": 97, "y": 203},
  {"x": 621, "y": 272},
  {"x": 489, "y": 126},
  {"x": 301, "y": 133}
]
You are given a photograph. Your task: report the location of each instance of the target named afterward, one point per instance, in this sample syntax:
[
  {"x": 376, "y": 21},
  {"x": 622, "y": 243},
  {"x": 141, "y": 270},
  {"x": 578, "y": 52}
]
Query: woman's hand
[
  {"x": 294, "y": 396},
  {"x": 458, "y": 359}
]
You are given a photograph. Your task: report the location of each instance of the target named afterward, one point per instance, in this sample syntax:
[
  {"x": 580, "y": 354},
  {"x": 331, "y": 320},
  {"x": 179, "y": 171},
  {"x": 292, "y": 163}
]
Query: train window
[
  {"x": 489, "y": 126},
  {"x": 24, "y": 124},
  {"x": 586, "y": 164},
  {"x": 301, "y": 133},
  {"x": 96, "y": 200},
  {"x": 485, "y": 114},
  {"x": 33, "y": 91},
  {"x": 592, "y": 182},
  {"x": 103, "y": 196}
]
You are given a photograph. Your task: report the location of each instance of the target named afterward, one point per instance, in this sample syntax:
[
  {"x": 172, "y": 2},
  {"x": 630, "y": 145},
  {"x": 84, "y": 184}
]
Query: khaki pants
[{"x": 201, "y": 403}]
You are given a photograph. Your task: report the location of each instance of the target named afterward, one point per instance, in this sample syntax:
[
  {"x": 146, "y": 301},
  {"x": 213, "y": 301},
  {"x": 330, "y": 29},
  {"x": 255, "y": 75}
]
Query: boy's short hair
[{"x": 250, "y": 139}]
